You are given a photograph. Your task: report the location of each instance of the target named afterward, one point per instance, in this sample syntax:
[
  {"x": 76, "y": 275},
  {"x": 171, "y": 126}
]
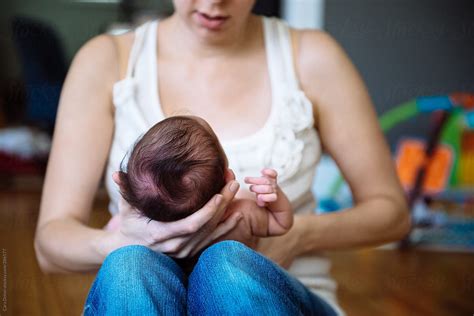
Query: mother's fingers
[
  {"x": 187, "y": 225},
  {"x": 226, "y": 196},
  {"x": 220, "y": 231},
  {"x": 229, "y": 190},
  {"x": 194, "y": 222},
  {"x": 171, "y": 246}
]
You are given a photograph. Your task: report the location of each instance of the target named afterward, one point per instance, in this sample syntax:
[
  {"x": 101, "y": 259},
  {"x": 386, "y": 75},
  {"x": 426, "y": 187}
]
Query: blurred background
[{"x": 417, "y": 59}]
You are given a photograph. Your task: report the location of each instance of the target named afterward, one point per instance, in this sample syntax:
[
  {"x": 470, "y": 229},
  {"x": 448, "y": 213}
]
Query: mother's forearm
[
  {"x": 369, "y": 223},
  {"x": 66, "y": 245}
]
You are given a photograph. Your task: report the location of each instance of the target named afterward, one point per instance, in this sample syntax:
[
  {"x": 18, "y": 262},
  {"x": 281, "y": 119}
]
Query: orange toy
[{"x": 411, "y": 157}]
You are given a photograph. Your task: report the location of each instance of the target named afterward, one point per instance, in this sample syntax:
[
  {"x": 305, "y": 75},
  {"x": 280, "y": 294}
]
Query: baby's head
[{"x": 174, "y": 169}]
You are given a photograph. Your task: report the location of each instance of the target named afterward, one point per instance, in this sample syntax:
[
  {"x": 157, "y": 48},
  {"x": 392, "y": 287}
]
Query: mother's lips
[
  {"x": 212, "y": 22},
  {"x": 214, "y": 17}
]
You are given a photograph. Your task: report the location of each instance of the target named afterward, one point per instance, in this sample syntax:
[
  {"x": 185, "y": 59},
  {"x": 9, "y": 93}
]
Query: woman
[{"x": 274, "y": 96}]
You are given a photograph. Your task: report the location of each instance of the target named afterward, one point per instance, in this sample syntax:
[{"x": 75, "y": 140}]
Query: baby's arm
[{"x": 270, "y": 195}]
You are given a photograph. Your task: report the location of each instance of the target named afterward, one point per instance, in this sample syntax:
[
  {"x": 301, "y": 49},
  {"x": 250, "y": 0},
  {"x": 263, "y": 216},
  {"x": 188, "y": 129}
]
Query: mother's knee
[
  {"x": 127, "y": 258},
  {"x": 226, "y": 280},
  {"x": 224, "y": 260},
  {"x": 132, "y": 261},
  {"x": 138, "y": 266},
  {"x": 225, "y": 252},
  {"x": 134, "y": 276}
]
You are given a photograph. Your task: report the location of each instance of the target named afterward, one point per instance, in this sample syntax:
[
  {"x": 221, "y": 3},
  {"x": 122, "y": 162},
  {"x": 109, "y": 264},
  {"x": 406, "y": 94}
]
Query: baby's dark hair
[{"x": 174, "y": 169}]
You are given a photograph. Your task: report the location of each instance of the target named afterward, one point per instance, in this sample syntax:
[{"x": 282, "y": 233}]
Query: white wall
[{"x": 304, "y": 13}]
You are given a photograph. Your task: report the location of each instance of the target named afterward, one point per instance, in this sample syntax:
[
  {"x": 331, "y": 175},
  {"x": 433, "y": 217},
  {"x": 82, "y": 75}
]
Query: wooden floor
[{"x": 371, "y": 282}]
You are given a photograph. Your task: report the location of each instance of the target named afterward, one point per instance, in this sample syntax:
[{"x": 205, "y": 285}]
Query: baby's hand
[{"x": 265, "y": 187}]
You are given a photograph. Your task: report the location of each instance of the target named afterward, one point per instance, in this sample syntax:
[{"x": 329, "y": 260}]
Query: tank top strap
[
  {"x": 279, "y": 53},
  {"x": 137, "y": 46}
]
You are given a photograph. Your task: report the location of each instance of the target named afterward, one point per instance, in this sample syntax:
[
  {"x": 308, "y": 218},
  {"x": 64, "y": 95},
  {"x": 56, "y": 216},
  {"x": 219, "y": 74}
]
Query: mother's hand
[
  {"x": 243, "y": 231},
  {"x": 181, "y": 238},
  {"x": 249, "y": 230},
  {"x": 281, "y": 249}
]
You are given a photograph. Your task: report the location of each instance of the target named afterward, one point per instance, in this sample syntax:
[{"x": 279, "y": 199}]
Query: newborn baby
[{"x": 178, "y": 165}]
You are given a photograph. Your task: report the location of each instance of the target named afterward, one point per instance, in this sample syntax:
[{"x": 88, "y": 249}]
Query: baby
[{"x": 178, "y": 165}]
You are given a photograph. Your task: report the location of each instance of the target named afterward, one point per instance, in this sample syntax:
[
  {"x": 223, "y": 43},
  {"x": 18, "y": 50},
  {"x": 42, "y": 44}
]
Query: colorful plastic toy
[{"x": 429, "y": 167}]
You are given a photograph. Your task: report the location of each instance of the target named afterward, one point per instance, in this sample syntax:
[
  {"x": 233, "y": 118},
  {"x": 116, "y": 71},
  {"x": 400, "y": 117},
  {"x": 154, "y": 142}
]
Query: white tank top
[{"x": 287, "y": 142}]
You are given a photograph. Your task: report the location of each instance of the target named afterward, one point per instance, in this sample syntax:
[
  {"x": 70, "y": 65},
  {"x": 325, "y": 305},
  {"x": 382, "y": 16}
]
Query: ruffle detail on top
[{"x": 285, "y": 152}]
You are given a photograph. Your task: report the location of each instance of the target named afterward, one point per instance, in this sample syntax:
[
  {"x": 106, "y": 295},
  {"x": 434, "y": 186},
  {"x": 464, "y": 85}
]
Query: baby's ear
[
  {"x": 229, "y": 175},
  {"x": 116, "y": 176}
]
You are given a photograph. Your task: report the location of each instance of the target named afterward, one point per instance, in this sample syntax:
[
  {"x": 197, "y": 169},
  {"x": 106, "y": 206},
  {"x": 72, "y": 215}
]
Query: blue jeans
[{"x": 228, "y": 279}]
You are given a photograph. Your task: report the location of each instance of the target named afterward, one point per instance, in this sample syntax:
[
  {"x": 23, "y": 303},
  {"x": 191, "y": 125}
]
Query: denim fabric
[{"x": 228, "y": 279}]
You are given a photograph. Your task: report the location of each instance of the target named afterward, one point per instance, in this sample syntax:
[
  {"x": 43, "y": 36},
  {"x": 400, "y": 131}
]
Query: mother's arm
[
  {"x": 81, "y": 144},
  {"x": 82, "y": 137},
  {"x": 350, "y": 133}
]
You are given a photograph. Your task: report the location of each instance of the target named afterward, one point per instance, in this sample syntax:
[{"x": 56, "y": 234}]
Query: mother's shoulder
[
  {"x": 106, "y": 53},
  {"x": 318, "y": 59},
  {"x": 315, "y": 50}
]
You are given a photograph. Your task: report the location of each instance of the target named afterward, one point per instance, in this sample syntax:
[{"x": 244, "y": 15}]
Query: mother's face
[{"x": 214, "y": 19}]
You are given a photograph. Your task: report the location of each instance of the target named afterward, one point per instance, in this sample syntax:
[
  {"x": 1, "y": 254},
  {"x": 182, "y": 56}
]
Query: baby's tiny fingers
[
  {"x": 257, "y": 180},
  {"x": 262, "y": 189},
  {"x": 267, "y": 197},
  {"x": 269, "y": 172}
]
